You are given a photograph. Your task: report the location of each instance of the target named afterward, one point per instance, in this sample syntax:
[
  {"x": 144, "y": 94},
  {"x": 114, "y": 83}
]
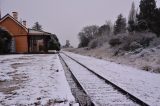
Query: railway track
[
  {"x": 77, "y": 91},
  {"x": 101, "y": 91}
]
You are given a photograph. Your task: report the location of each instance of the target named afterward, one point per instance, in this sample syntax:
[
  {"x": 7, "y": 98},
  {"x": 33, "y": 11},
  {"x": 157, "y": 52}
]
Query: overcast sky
[{"x": 66, "y": 18}]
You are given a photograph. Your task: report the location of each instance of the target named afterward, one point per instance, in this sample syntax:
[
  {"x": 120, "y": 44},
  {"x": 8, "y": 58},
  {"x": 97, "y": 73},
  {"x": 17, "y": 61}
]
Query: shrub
[
  {"x": 1, "y": 45},
  {"x": 147, "y": 68},
  {"x": 125, "y": 46},
  {"x": 115, "y": 41},
  {"x": 155, "y": 42},
  {"x": 134, "y": 41},
  {"x": 134, "y": 45},
  {"x": 93, "y": 44},
  {"x": 157, "y": 70},
  {"x": 145, "y": 41},
  {"x": 5, "y": 41},
  {"x": 53, "y": 45},
  {"x": 144, "y": 38},
  {"x": 99, "y": 41}
]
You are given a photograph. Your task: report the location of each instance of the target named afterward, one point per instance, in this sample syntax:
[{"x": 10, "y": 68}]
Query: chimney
[
  {"x": 15, "y": 15},
  {"x": 24, "y": 22}
]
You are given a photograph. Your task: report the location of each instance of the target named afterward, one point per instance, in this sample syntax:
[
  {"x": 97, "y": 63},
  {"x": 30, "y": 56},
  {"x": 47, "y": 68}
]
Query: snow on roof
[{"x": 34, "y": 32}]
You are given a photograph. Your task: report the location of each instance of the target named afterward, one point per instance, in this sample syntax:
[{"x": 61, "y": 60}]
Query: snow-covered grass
[
  {"x": 33, "y": 80},
  {"x": 142, "y": 84},
  {"x": 147, "y": 59}
]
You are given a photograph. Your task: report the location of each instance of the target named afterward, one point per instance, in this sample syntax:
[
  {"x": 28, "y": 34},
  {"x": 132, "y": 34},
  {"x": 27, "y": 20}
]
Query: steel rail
[
  {"x": 131, "y": 96},
  {"x": 77, "y": 82}
]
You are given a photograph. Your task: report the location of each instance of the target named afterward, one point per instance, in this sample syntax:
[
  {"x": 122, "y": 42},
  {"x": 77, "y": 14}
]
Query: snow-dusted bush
[
  {"x": 132, "y": 42},
  {"x": 93, "y": 44},
  {"x": 157, "y": 70},
  {"x": 135, "y": 45},
  {"x": 146, "y": 38},
  {"x": 142, "y": 38},
  {"x": 115, "y": 41},
  {"x": 99, "y": 41},
  {"x": 147, "y": 68},
  {"x": 155, "y": 42}
]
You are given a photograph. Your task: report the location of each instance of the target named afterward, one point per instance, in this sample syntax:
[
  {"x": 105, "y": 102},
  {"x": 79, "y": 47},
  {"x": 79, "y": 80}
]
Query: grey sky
[{"x": 66, "y": 18}]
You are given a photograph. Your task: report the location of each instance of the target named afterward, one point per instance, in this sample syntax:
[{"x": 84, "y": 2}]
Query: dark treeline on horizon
[{"x": 144, "y": 20}]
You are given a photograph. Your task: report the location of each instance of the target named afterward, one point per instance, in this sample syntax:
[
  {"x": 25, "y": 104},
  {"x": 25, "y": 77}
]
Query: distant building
[{"x": 24, "y": 40}]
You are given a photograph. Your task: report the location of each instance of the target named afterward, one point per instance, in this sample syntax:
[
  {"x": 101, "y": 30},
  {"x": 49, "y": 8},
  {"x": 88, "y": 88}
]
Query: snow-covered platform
[
  {"x": 33, "y": 80},
  {"x": 143, "y": 85}
]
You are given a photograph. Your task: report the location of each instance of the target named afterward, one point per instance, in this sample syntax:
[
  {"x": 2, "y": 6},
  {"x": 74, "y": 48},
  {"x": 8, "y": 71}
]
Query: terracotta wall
[{"x": 18, "y": 32}]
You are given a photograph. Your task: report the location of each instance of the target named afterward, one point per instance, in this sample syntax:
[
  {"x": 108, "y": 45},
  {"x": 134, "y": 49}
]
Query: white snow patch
[
  {"x": 43, "y": 78},
  {"x": 5, "y": 62}
]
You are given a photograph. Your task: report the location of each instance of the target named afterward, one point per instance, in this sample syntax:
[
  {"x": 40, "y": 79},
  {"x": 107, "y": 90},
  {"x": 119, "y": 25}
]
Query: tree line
[{"x": 146, "y": 20}]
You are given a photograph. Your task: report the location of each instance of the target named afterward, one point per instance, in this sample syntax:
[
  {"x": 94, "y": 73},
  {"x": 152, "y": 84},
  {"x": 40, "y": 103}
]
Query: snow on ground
[
  {"x": 148, "y": 58},
  {"x": 144, "y": 58},
  {"x": 6, "y": 67},
  {"x": 33, "y": 80},
  {"x": 101, "y": 94},
  {"x": 144, "y": 85}
]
